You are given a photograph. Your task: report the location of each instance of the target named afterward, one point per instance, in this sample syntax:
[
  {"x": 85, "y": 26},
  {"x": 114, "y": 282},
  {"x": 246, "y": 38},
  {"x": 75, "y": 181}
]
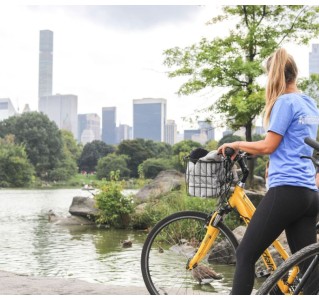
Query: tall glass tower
[
  {"x": 109, "y": 125},
  {"x": 149, "y": 119},
  {"x": 45, "y": 63}
]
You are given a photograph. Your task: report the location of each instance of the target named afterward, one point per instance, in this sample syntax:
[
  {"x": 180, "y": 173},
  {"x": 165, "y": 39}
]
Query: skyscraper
[
  {"x": 45, "y": 63},
  {"x": 6, "y": 109},
  {"x": 124, "y": 132},
  {"x": 109, "y": 125},
  {"x": 170, "y": 132},
  {"x": 207, "y": 128},
  {"x": 149, "y": 119},
  {"x": 63, "y": 110},
  {"x": 88, "y": 128},
  {"x": 314, "y": 59}
]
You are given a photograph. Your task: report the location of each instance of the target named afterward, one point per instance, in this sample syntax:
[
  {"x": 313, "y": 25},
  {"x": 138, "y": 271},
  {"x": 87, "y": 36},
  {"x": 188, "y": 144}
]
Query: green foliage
[
  {"x": 168, "y": 204},
  {"x": 310, "y": 86},
  {"x": 40, "y": 136},
  {"x": 15, "y": 168},
  {"x": 261, "y": 166},
  {"x": 67, "y": 166},
  {"x": 139, "y": 150},
  {"x": 111, "y": 163},
  {"x": 152, "y": 166},
  {"x": 211, "y": 145},
  {"x": 185, "y": 146},
  {"x": 115, "y": 207},
  {"x": 229, "y": 139},
  {"x": 91, "y": 153}
]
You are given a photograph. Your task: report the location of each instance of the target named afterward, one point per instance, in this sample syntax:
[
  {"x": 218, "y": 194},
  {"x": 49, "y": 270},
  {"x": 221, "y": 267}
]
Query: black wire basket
[{"x": 205, "y": 179}]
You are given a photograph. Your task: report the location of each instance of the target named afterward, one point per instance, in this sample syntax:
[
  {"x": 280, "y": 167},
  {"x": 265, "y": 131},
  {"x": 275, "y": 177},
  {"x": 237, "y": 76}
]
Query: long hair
[{"x": 282, "y": 70}]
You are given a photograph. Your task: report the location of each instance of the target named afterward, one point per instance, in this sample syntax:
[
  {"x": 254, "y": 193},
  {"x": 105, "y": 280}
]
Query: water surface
[{"x": 31, "y": 245}]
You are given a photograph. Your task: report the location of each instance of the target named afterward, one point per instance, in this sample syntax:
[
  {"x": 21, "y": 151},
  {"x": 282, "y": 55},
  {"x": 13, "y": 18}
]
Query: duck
[
  {"x": 203, "y": 274},
  {"x": 126, "y": 243},
  {"x": 52, "y": 217}
]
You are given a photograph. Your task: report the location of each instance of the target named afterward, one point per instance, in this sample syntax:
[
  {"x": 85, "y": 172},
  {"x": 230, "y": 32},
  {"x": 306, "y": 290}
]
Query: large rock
[
  {"x": 165, "y": 182},
  {"x": 84, "y": 207},
  {"x": 69, "y": 220}
]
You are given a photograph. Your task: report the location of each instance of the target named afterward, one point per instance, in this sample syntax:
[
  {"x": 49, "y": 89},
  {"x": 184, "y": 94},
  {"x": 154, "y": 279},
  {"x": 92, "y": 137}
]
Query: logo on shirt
[{"x": 308, "y": 120}]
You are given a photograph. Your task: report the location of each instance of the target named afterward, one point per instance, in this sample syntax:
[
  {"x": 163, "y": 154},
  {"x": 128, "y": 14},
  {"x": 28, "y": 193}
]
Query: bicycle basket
[{"x": 204, "y": 178}]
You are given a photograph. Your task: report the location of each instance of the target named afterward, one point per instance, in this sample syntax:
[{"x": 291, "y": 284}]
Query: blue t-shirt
[{"x": 294, "y": 116}]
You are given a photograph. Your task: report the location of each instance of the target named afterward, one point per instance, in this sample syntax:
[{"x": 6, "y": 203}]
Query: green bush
[
  {"x": 167, "y": 204},
  {"x": 115, "y": 207}
]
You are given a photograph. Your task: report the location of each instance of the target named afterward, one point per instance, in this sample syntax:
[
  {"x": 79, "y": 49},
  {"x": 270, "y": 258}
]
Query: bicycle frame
[{"x": 239, "y": 201}]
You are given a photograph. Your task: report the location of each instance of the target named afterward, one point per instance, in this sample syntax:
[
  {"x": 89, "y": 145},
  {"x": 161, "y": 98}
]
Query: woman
[{"x": 291, "y": 203}]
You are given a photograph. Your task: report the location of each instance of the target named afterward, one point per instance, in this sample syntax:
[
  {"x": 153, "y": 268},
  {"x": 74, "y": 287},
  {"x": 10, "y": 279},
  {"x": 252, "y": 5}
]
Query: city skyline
[{"x": 107, "y": 56}]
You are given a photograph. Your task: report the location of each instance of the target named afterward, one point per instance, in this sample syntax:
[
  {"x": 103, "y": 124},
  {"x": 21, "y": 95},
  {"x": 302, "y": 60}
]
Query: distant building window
[{"x": 4, "y": 105}]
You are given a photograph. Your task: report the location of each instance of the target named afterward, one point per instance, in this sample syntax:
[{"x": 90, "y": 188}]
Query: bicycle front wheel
[
  {"x": 169, "y": 246},
  {"x": 306, "y": 282}
]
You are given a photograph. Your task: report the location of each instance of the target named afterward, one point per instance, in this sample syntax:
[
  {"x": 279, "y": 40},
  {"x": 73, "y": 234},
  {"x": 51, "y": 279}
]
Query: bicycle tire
[
  {"x": 166, "y": 251},
  {"x": 308, "y": 253}
]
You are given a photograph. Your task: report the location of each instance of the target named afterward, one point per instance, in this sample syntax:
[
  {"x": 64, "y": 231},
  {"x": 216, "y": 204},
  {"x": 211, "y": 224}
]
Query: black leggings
[{"x": 289, "y": 208}]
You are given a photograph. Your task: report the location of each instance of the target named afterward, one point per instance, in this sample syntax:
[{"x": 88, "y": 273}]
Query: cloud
[{"x": 129, "y": 17}]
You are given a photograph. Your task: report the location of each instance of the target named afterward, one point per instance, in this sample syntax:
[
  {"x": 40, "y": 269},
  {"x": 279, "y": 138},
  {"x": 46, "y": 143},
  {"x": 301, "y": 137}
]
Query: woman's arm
[{"x": 266, "y": 146}]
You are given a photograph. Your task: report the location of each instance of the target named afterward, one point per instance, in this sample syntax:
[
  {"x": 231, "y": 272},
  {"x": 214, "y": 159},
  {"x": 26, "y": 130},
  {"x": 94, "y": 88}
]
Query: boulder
[
  {"x": 164, "y": 182},
  {"x": 69, "y": 220},
  {"x": 84, "y": 207}
]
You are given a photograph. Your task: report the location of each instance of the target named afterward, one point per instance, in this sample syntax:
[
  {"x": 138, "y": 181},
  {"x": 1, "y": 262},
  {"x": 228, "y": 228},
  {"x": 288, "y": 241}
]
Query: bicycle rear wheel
[
  {"x": 169, "y": 246},
  {"x": 307, "y": 281}
]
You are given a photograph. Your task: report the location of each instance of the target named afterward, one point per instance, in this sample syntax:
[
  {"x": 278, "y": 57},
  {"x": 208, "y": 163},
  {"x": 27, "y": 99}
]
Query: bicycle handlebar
[{"x": 312, "y": 143}]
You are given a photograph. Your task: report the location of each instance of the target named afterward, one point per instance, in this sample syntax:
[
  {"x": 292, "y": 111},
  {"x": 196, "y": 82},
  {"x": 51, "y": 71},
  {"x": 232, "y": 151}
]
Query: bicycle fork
[{"x": 209, "y": 239}]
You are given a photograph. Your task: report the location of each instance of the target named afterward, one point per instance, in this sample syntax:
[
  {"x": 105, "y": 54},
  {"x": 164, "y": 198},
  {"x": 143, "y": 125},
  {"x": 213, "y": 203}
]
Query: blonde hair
[{"x": 282, "y": 70}]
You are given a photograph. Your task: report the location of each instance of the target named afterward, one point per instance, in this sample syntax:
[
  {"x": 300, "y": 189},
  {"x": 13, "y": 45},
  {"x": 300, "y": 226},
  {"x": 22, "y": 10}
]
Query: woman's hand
[{"x": 234, "y": 146}]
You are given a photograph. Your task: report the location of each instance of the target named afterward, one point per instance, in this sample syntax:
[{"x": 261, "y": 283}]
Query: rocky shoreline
[{"x": 20, "y": 284}]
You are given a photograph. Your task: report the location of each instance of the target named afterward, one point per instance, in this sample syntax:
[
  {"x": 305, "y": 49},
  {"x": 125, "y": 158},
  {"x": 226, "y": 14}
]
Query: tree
[
  {"x": 112, "y": 163},
  {"x": 152, "y": 166},
  {"x": 91, "y": 153},
  {"x": 310, "y": 86},
  {"x": 235, "y": 61},
  {"x": 185, "y": 146},
  {"x": 137, "y": 150},
  {"x": 229, "y": 139},
  {"x": 15, "y": 168},
  {"x": 67, "y": 166},
  {"x": 40, "y": 136}
]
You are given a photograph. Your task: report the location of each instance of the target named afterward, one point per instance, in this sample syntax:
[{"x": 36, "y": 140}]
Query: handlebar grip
[
  {"x": 312, "y": 143},
  {"x": 229, "y": 151}
]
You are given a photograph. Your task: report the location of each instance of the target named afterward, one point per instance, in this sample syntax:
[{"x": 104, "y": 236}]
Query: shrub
[{"x": 115, "y": 207}]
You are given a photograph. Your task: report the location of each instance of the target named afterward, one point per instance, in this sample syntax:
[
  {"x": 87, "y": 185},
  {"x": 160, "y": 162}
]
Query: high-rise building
[
  {"x": 170, "y": 132},
  {"x": 109, "y": 125},
  {"x": 63, "y": 110},
  {"x": 124, "y": 132},
  {"x": 45, "y": 63},
  {"x": 88, "y": 128},
  {"x": 149, "y": 119},
  {"x": 314, "y": 59},
  {"x": 208, "y": 129},
  {"x": 189, "y": 133},
  {"x": 6, "y": 109}
]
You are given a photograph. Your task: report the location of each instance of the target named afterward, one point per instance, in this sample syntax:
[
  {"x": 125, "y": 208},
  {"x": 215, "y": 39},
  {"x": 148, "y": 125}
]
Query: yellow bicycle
[{"x": 191, "y": 252}]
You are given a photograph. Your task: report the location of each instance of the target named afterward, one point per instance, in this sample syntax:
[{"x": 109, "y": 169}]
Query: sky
[{"x": 107, "y": 55}]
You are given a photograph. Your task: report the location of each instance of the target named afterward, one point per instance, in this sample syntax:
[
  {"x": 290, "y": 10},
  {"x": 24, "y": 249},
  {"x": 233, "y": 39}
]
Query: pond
[{"x": 31, "y": 245}]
